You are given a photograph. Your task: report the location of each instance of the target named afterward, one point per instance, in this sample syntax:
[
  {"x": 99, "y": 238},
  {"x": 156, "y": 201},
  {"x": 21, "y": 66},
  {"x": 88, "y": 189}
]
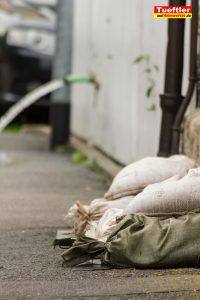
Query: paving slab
[{"x": 36, "y": 189}]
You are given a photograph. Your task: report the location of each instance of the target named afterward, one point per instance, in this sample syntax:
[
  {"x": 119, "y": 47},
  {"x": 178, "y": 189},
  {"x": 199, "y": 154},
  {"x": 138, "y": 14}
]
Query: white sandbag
[
  {"x": 85, "y": 210},
  {"x": 83, "y": 215},
  {"x": 132, "y": 179},
  {"x": 173, "y": 195},
  {"x": 100, "y": 230}
]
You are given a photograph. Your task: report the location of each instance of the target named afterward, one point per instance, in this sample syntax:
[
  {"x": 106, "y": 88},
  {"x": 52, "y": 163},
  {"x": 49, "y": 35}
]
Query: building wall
[{"x": 108, "y": 36}]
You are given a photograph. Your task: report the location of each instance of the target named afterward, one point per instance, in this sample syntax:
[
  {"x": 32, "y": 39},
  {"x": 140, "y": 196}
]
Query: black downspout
[
  {"x": 172, "y": 98},
  {"x": 192, "y": 80}
]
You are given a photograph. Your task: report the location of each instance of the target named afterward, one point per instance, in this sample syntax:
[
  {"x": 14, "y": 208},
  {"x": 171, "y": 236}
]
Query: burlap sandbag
[
  {"x": 173, "y": 195},
  {"x": 143, "y": 242},
  {"x": 84, "y": 217},
  {"x": 132, "y": 179},
  {"x": 101, "y": 229}
]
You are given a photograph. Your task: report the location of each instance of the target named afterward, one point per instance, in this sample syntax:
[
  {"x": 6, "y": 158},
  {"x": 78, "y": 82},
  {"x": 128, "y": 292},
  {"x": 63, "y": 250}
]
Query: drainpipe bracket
[
  {"x": 177, "y": 129},
  {"x": 194, "y": 78},
  {"x": 170, "y": 102}
]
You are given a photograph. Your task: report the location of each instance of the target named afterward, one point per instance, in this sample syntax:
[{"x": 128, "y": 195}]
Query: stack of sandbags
[
  {"x": 175, "y": 195},
  {"x": 130, "y": 181}
]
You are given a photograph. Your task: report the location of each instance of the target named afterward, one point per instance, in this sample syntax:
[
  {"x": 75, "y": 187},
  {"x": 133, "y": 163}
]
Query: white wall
[{"x": 108, "y": 36}]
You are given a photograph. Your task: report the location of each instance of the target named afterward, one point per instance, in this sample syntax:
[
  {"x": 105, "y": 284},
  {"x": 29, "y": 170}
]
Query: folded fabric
[{"x": 142, "y": 241}]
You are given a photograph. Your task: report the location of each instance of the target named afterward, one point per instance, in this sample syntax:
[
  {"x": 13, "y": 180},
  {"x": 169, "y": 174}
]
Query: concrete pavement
[{"x": 36, "y": 189}]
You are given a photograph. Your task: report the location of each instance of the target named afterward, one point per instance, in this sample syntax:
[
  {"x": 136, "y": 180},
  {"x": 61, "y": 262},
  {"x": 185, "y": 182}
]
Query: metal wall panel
[{"x": 108, "y": 36}]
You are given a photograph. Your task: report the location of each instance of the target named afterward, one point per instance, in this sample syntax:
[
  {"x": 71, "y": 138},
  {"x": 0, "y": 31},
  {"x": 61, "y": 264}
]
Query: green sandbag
[{"x": 144, "y": 242}]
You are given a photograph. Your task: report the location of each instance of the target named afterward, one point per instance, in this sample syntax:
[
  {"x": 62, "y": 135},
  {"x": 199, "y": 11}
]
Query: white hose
[{"x": 29, "y": 99}]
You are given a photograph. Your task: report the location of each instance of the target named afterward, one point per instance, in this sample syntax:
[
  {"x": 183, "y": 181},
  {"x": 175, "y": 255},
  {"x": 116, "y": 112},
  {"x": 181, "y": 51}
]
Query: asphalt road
[{"x": 36, "y": 189}]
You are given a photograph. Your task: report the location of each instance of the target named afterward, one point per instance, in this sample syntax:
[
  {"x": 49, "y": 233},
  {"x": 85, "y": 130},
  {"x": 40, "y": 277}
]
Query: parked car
[{"x": 26, "y": 51}]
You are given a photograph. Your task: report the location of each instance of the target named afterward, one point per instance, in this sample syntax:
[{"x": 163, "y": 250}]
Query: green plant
[
  {"x": 14, "y": 128},
  {"x": 151, "y": 107},
  {"x": 78, "y": 157},
  {"x": 150, "y": 70},
  {"x": 109, "y": 56}
]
